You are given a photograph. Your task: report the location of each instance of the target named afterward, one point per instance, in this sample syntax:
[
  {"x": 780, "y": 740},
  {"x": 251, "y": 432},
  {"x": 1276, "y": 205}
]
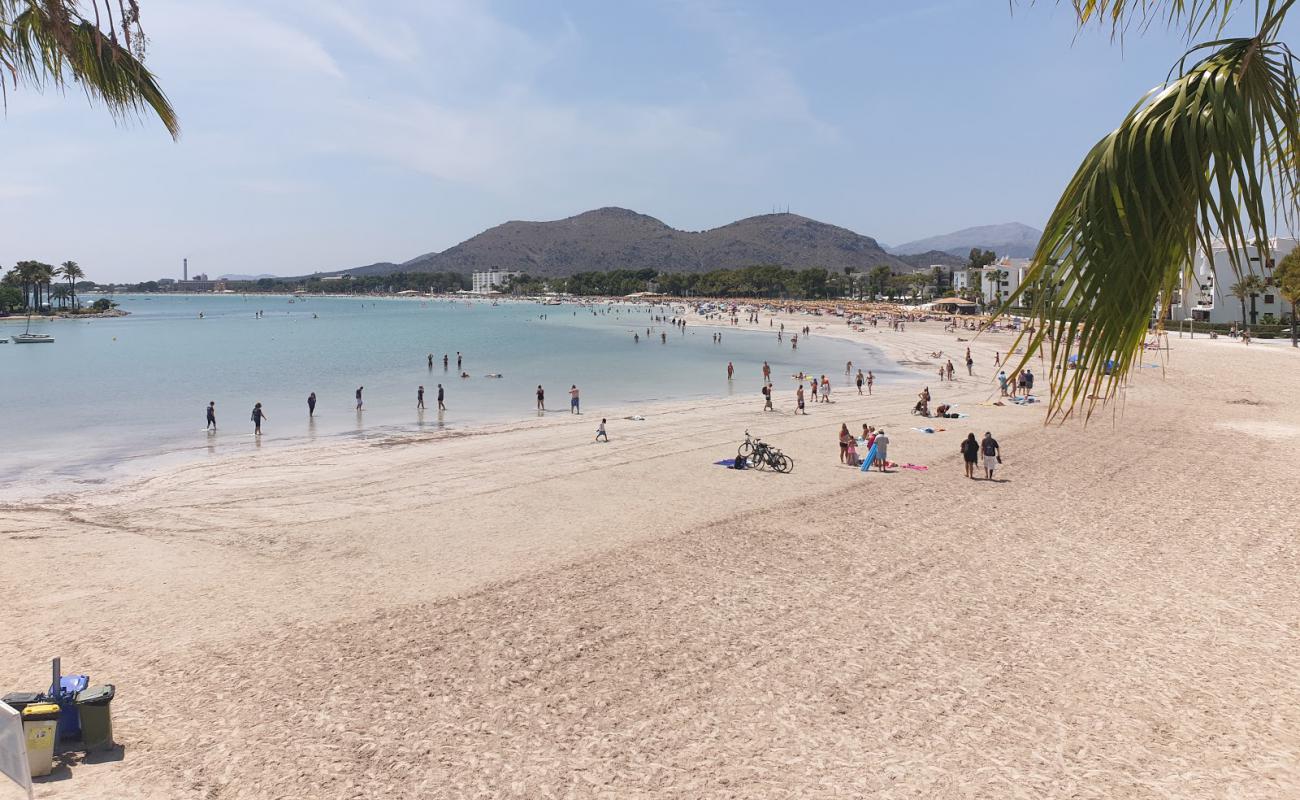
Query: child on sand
[
  {"x": 600, "y": 431},
  {"x": 852, "y": 452}
]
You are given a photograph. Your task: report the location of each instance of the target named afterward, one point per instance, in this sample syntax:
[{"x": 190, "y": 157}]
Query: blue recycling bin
[{"x": 65, "y": 694}]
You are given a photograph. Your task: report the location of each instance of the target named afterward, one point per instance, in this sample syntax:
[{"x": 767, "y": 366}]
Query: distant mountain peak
[{"x": 1014, "y": 239}]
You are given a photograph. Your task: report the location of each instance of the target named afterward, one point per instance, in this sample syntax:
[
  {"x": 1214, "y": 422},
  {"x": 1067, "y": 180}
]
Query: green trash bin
[{"x": 94, "y": 705}]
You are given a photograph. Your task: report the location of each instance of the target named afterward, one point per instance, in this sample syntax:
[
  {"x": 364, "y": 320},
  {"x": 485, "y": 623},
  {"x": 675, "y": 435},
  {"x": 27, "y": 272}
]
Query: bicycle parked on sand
[{"x": 756, "y": 452}]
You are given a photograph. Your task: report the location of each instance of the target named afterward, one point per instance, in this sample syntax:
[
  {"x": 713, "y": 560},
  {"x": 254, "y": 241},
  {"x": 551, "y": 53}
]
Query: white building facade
[
  {"x": 490, "y": 281},
  {"x": 1207, "y": 297},
  {"x": 996, "y": 282}
]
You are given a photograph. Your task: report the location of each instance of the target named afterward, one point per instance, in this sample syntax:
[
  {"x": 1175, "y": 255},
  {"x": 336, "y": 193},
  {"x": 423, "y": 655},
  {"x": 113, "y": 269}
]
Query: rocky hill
[
  {"x": 616, "y": 238},
  {"x": 1009, "y": 239},
  {"x": 933, "y": 258}
]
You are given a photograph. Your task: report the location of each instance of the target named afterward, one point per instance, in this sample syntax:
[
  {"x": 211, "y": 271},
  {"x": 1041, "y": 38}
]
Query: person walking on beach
[
  {"x": 212, "y": 415},
  {"x": 600, "y": 431},
  {"x": 541, "y": 398},
  {"x": 970, "y": 364},
  {"x": 767, "y": 373},
  {"x": 257, "y": 417},
  {"x": 871, "y": 379},
  {"x": 859, "y": 380},
  {"x": 845, "y": 436},
  {"x": 441, "y": 407},
  {"x": 573, "y": 400},
  {"x": 767, "y": 397},
  {"x": 992, "y": 455},
  {"x": 1029, "y": 382},
  {"x": 826, "y": 390},
  {"x": 419, "y": 398},
  {"x": 812, "y": 379},
  {"x": 359, "y": 388},
  {"x": 950, "y": 369},
  {"x": 731, "y": 370},
  {"x": 798, "y": 399},
  {"x": 1002, "y": 382},
  {"x": 882, "y": 449},
  {"x": 970, "y": 454}
]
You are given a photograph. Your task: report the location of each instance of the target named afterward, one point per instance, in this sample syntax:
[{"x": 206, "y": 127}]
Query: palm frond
[
  {"x": 1198, "y": 160},
  {"x": 1193, "y": 16},
  {"x": 45, "y": 43}
]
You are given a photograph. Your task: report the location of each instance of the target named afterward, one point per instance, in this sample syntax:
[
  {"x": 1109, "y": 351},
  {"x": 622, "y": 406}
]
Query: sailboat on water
[{"x": 27, "y": 337}]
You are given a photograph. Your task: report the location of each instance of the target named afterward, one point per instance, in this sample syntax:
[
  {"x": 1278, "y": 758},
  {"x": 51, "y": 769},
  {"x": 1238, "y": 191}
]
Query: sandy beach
[{"x": 518, "y": 611}]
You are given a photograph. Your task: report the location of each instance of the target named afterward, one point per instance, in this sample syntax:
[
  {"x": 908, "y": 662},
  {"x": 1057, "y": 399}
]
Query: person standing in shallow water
[
  {"x": 257, "y": 417},
  {"x": 359, "y": 389},
  {"x": 311, "y": 404},
  {"x": 212, "y": 415},
  {"x": 419, "y": 398},
  {"x": 441, "y": 407},
  {"x": 574, "y": 408},
  {"x": 541, "y": 398}
]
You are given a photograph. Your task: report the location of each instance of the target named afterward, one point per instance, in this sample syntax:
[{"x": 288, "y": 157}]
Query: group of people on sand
[
  {"x": 1021, "y": 384},
  {"x": 871, "y": 437},
  {"x": 987, "y": 448}
]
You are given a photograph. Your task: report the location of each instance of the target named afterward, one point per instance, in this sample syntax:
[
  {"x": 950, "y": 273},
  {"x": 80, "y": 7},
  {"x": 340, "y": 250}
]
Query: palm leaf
[
  {"x": 1199, "y": 159},
  {"x": 43, "y": 43},
  {"x": 1193, "y": 16}
]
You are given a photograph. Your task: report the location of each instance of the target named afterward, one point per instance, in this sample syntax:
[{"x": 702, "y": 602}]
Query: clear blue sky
[{"x": 321, "y": 134}]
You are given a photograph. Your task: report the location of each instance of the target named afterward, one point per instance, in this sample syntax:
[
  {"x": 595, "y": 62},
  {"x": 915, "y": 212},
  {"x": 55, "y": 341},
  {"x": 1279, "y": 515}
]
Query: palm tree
[
  {"x": 48, "y": 44},
  {"x": 42, "y": 275},
  {"x": 62, "y": 293},
  {"x": 1202, "y": 158},
  {"x": 72, "y": 272},
  {"x": 1287, "y": 275},
  {"x": 1240, "y": 290},
  {"x": 1254, "y": 288}
]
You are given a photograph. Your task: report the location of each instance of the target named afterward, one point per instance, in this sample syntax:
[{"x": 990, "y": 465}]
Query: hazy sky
[{"x": 322, "y": 134}]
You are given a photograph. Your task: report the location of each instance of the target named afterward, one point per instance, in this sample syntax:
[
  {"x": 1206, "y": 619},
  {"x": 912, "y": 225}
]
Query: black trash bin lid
[
  {"x": 96, "y": 695},
  {"x": 16, "y": 700}
]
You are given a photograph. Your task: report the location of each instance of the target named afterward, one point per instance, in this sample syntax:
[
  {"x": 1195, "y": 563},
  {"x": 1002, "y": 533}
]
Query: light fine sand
[{"x": 521, "y": 612}]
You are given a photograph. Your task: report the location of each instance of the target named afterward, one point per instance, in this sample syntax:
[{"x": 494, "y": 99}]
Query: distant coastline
[{"x": 111, "y": 313}]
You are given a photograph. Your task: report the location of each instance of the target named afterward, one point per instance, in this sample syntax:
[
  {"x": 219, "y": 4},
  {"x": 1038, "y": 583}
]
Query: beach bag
[{"x": 739, "y": 463}]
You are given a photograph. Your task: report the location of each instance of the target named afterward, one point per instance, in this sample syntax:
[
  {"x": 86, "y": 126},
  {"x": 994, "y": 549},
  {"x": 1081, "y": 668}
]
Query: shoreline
[{"x": 144, "y": 467}]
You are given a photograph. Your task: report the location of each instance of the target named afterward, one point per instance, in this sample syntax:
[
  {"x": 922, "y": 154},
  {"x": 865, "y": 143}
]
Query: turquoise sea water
[{"x": 113, "y": 396}]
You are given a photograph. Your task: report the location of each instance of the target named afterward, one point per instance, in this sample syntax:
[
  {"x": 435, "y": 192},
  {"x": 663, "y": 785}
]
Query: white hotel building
[
  {"x": 996, "y": 282},
  {"x": 490, "y": 281},
  {"x": 1206, "y": 295}
]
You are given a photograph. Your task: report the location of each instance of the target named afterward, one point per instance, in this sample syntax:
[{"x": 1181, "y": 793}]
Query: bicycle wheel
[
  {"x": 760, "y": 458},
  {"x": 746, "y": 449},
  {"x": 784, "y": 463}
]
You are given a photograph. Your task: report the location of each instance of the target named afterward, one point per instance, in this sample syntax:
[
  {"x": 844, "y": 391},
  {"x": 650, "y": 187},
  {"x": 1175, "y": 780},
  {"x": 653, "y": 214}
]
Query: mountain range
[
  {"x": 1008, "y": 239},
  {"x": 617, "y": 238}
]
